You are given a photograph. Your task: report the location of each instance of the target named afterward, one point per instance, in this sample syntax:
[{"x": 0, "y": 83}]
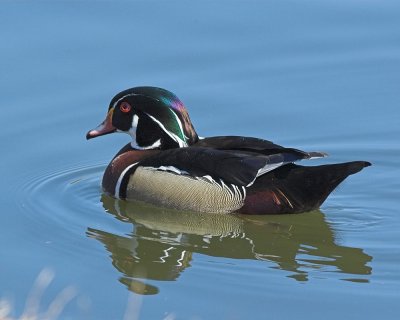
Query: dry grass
[{"x": 32, "y": 309}]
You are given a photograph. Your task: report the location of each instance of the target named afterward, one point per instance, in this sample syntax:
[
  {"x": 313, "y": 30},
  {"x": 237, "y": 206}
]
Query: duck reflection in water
[{"x": 162, "y": 243}]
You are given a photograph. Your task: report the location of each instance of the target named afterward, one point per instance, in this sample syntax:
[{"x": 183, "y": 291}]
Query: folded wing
[{"x": 233, "y": 161}]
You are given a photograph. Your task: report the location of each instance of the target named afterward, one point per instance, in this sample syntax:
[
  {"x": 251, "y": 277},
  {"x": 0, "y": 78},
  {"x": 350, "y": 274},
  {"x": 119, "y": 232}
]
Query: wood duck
[{"x": 167, "y": 164}]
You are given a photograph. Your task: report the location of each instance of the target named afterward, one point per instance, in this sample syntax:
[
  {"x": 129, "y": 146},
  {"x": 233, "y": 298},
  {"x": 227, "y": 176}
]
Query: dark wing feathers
[
  {"x": 253, "y": 145},
  {"x": 233, "y": 167},
  {"x": 235, "y": 160},
  {"x": 236, "y": 142}
]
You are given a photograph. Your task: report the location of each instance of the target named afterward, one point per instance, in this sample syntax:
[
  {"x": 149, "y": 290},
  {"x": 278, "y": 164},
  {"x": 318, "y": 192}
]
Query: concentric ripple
[{"x": 61, "y": 202}]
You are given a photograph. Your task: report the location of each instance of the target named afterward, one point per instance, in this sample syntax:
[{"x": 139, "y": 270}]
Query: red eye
[{"x": 125, "y": 107}]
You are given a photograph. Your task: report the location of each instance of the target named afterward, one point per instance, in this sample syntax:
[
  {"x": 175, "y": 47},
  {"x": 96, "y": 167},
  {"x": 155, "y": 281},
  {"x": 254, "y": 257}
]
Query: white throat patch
[{"x": 132, "y": 133}]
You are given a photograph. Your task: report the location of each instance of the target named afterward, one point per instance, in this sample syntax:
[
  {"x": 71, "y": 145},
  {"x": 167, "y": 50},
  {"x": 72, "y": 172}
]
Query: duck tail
[{"x": 293, "y": 188}]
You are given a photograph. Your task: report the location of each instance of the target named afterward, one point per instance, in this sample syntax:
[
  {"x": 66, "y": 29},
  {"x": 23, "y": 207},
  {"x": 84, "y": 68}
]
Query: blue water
[{"x": 307, "y": 74}]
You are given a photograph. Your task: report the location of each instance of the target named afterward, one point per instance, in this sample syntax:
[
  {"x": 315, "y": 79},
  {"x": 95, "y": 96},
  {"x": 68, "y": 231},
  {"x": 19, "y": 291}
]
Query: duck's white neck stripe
[
  {"x": 118, "y": 185},
  {"x": 153, "y": 146}
]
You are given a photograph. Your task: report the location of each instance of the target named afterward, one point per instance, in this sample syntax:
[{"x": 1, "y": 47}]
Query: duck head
[{"x": 155, "y": 119}]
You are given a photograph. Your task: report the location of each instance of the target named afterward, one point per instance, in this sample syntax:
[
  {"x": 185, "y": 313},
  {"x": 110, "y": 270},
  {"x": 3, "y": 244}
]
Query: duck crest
[{"x": 161, "y": 121}]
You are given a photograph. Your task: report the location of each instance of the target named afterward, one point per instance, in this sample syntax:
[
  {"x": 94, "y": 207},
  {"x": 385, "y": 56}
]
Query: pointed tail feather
[{"x": 293, "y": 188}]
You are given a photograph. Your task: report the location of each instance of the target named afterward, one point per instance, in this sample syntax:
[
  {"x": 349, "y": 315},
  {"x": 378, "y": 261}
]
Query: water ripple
[{"x": 65, "y": 199}]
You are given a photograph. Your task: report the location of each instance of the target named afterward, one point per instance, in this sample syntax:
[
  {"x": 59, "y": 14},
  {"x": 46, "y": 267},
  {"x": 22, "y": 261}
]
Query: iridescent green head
[{"x": 155, "y": 119}]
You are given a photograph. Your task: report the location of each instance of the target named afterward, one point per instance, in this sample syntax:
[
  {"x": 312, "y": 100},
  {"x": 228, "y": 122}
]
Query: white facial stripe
[
  {"x": 180, "y": 142},
  {"x": 118, "y": 185},
  {"x": 130, "y": 95},
  {"x": 127, "y": 95}
]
